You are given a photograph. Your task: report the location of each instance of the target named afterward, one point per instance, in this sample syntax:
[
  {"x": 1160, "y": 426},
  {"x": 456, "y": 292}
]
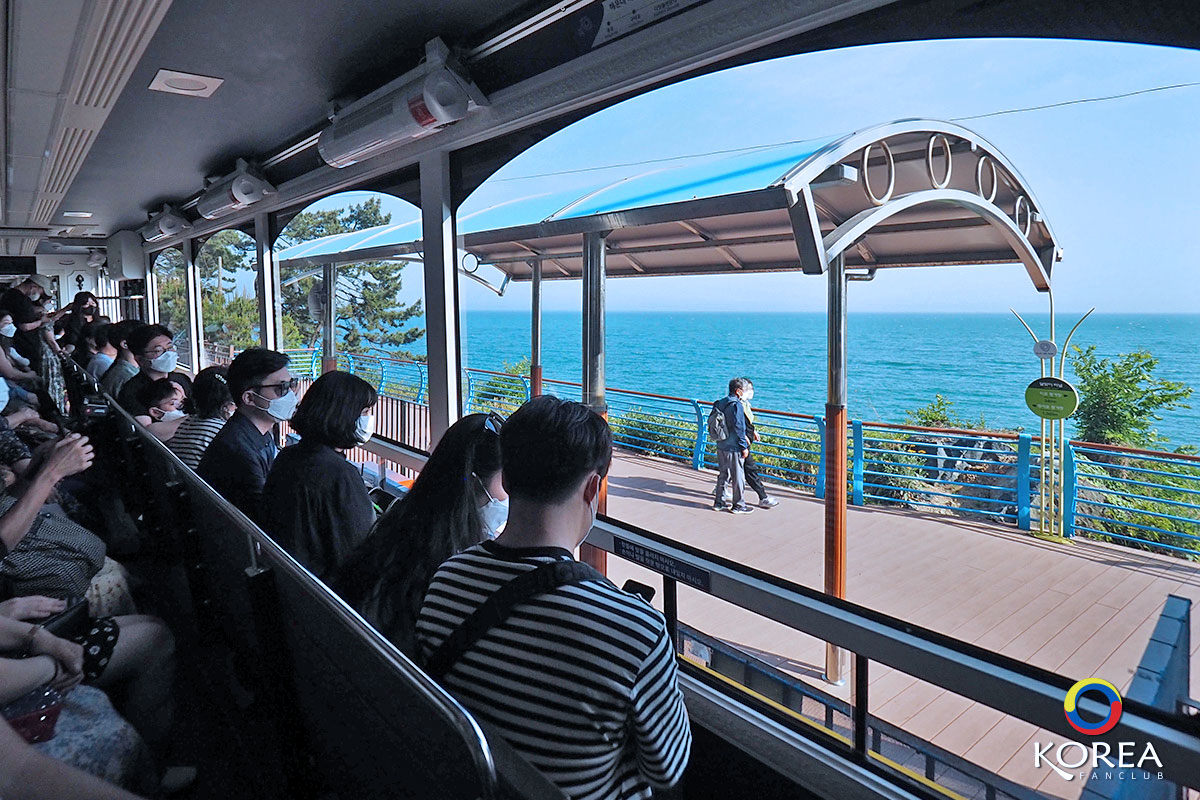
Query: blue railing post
[
  {"x": 1024, "y": 443},
  {"x": 819, "y": 488},
  {"x": 421, "y": 385},
  {"x": 1070, "y": 490},
  {"x": 857, "y": 465},
  {"x": 701, "y": 437},
  {"x": 528, "y": 388},
  {"x": 469, "y": 400}
]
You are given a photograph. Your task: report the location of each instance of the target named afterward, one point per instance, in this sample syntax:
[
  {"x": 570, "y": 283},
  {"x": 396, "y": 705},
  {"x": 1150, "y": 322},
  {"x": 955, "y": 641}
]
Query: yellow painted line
[{"x": 793, "y": 714}]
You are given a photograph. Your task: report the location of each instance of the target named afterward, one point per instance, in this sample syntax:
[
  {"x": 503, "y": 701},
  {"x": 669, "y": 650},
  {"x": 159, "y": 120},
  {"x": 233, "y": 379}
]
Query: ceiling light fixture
[
  {"x": 420, "y": 102},
  {"x": 77, "y": 214},
  {"x": 167, "y": 222},
  {"x": 185, "y": 83},
  {"x": 241, "y": 188}
]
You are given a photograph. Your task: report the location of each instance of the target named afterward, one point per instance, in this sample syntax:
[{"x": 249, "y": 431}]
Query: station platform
[{"x": 1080, "y": 608}]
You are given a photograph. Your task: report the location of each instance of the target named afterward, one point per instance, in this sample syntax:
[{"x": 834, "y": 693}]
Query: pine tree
[{"x": 368, "y": 318}]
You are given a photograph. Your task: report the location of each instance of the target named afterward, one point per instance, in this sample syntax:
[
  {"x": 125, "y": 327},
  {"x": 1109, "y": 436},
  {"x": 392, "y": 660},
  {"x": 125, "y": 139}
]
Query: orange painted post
[
  {"x": 535, "y": 380},
  {"x": 835, "y": 500}
]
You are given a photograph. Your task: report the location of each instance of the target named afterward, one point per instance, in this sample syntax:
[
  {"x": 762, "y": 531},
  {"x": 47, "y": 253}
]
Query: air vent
[
  {"x": 65, "y": 160},
  {"x": 121, "y": 33}
]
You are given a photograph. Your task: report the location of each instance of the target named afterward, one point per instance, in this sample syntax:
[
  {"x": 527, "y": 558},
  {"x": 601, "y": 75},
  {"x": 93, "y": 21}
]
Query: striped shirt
[
  {"x": 581, "y": 681},
  {"x": 192, "y": 438}
]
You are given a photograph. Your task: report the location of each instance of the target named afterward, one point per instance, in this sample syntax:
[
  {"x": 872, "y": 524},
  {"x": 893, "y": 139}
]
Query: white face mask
[
  {"x": 281, "y": 408},
  {"x": 165, "y": 362},
  {"x": 171, "y": 416},
  {"x": 594, "y": 507},
  {"x": 494, "y": 515},
  {"x": 748, "y": 394},
  {"x": 9, "y": 330},
  {"x": 364, "y": 429}
]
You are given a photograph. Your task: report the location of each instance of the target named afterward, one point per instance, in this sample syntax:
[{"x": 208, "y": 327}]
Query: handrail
[
  {"x": 452, "y": 712},
  {"x": 1012, "y": 687},
  {"x": 1135, "y": 451}
]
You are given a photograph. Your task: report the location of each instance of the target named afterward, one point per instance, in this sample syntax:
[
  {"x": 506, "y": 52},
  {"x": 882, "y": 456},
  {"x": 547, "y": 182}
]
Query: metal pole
[
  {"x": 191, "y": 273},
  {"x": 270, "y": 309},
  {"x": 593, "y": 361},
  {"x": 441, "y": 293},
  {"x": 329, "y": 320},
  {"x": 535, "y": 329},
  {"x": 836, "y": 659}
]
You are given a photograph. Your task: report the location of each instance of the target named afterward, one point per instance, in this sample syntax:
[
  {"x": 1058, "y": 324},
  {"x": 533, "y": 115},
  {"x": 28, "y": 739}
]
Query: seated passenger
[
  {"x": 213, "y": 406},
  {"x": 239, "y": 459},
  {"x": 456, "y": 501},
  {"x": 164, "y": 399},
  {"x": 19, "y": 380},
  {"x": 580, "y": 678},
  {"x": 315, "y": 503},
  {"x": 154, "y": 350},
  {"x": 125, "y": 366},
  {"x": 95, "y": 338},
  {"x": 27, "y": 774}
]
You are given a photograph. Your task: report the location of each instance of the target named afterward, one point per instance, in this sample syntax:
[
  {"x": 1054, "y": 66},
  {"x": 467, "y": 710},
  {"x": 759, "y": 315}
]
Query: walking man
[
  {"x": 753, "y": 480},
  {"x": 733, "y": 449}
]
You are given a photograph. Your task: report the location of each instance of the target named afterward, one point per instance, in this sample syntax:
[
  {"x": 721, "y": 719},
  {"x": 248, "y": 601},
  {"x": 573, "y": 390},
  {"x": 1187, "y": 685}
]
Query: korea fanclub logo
[{"x": 1072, "y": 760}]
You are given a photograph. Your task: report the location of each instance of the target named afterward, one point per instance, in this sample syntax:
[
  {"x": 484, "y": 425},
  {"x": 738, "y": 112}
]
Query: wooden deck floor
[{"x": 1082, "y": 609}]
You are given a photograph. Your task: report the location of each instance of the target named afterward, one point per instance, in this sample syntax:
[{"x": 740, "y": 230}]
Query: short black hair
[
  {"x": 119, "y": 332},
  {"x": 210, "y": 392},
  {"x": 735, "y": 384},
  {"x": 142, "y": 336},
  {"x": 155, "y": 392},
  {"x": 251, "y": 366},
  {"x": 97, "y": 332},
  {"x": 548, "y": 445},
  {"x": 330, "y": 409}
]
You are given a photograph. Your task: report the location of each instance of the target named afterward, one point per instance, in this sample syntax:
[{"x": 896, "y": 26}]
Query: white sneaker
[{"x": 768, "y": 502}]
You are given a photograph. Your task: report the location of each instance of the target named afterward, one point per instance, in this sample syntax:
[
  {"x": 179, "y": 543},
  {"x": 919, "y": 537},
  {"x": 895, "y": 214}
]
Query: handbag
[
  {"x": 71, "y": 622},
  {"x": 34, "y": 715}
]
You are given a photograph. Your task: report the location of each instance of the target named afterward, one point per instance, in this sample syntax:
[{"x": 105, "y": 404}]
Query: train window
[
  {"x": 229, "y": 294},
  {"x": 173, "y": 311}
]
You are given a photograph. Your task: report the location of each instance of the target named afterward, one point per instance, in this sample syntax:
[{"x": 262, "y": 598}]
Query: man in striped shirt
[{"x": 580, "y": 679}]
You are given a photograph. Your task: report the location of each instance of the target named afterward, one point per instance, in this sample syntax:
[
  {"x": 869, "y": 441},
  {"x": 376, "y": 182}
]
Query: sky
[{"x": 1118, "y": 180}]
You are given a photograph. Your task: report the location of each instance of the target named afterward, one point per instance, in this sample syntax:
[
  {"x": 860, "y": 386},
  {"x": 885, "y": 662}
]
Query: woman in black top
[
  {"x": 450, "y": 508},
  {"x": 82, "y": 310},
  {"x": 315, "y": 503}
]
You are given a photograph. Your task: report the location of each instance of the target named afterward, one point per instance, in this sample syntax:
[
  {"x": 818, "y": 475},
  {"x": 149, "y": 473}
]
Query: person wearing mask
[
  {"x": 315, "y": 503},
  {"x": 732, "y": 450},
  {"x": 154, "y": 349},
  {"x": 81, "y": 311},
  {"x": 125, "y": 365},
  {"x": 749, "y": 467},
  {"x": 20, "y": 301},
  {"x": 213, "y": 406},
  {"x": 20, "y": 382},
  {"x": 588, "y": 690},
  {"x": 457, "y": 501},
  {"x": 240, "y": 457},
  {"x": 95, "y": 338},
  {"x": 164, "y": 400}
]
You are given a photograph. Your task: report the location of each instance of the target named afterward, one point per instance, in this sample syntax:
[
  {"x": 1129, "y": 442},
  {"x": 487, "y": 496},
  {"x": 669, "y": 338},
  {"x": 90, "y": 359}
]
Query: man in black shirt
[
  {"x": 239, "y": 459},
  {"x": 20, "y": 302},
  {"x": 154, "y": 349}
]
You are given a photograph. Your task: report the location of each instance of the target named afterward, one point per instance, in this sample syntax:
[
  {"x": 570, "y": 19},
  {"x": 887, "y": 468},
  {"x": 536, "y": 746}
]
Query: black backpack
[{"x": 718, "y": 425}]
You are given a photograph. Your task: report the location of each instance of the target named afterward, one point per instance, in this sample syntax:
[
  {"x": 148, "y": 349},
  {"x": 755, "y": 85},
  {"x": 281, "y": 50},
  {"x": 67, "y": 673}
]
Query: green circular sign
[{"x": 1051, "y": 398}]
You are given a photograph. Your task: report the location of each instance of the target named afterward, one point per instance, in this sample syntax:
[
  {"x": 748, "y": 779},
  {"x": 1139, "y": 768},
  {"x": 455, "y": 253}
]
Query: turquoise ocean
[{"x": 897, "y": 362}]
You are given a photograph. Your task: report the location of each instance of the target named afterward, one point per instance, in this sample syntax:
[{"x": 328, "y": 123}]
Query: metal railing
[{"x": 1137, "y": 498}]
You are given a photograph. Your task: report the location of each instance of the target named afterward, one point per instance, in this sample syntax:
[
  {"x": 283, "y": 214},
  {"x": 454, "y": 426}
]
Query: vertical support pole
[
  {"x": 535, "y": 330},
  {"x": 593, "y": 361},
  {"x": 671, "y": 609},
  {"x": 858, "y": 463},
  {"x": 329, "y": 320},
  {"x": 195, "y": 304},
  {"x": 859, "y": 701},
  {"x": 836, "y": 659},
  {"x": 1024, "y": 442},
  {"x": 1071, "y": 490},
  {"x": 151, "y": 289},
  {"x": 270, "y": 308},
  {"x": 441, "y": 293},
  {"x": 819, "y": 483}
]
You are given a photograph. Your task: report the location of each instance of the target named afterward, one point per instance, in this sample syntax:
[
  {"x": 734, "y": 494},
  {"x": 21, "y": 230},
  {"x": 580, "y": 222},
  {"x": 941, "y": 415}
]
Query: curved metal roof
[{"x": 905, "y": 194}]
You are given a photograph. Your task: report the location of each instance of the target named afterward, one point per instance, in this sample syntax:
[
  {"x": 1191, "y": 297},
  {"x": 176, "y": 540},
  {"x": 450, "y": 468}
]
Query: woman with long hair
[
  {"x": 315, "y": 503},
  {"x": 81, "y": 311},
  {"x": 457, "y": 501}
]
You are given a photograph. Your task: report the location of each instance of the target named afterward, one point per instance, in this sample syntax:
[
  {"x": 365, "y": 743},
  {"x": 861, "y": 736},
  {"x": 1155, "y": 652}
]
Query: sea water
[{"x": 897, "y": 362}]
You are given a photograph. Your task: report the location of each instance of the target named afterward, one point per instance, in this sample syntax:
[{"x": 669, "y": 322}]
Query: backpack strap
[{"x": 497, "y": 608}]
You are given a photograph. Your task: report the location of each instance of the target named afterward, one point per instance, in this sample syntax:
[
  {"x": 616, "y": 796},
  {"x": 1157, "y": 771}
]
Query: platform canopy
[{"x": 911, "y": 193}]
